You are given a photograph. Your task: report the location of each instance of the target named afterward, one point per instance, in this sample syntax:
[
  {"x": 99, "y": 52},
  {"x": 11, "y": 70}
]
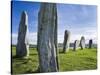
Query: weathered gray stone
[
  {"x": 90, "y": 43},
  {"x": 82, "y": 42},
  {"x": 66, "y": 41},
  {"x": 22, "y": 42},
  {"x": 76, "y": 45},
  {"x": 47, "y": 38}
]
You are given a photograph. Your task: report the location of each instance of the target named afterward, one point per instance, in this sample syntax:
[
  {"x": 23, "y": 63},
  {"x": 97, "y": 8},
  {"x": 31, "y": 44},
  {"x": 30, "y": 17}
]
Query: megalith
[
  {"x": 47, "y": 38},
  {"x": 90, "y": 43},
  {"x": 76, "y": 45},
  {"x": 22, "y": 48},
  {"x": 66, "y": 42},
  {"x": 82, "y": 42}
]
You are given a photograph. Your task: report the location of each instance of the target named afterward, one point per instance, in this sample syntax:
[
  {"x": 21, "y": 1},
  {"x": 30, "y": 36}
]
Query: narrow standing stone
[
  {"x": 76, "y": 45},
  {"x": 82, "y": 42},
  {"x": 47, "y": 38},
  {"x": 90, "y": 43},
  {"x": 22, "y": 43},
  {"x": 66, "y": 41}
]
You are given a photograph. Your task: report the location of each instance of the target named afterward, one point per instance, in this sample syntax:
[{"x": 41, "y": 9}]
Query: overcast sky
[{"x": 80, "y": 20}]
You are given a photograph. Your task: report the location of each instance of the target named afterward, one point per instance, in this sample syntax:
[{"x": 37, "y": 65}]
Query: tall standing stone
[
  {"x": 82, "y": 42},
  {"x": 76, "y": 45},
  {"x": 47, "y": 38},
  {"x": 90, "y": 43},
  {"x": 66, "y": 41},
  {"x": 22, "y": 43}
]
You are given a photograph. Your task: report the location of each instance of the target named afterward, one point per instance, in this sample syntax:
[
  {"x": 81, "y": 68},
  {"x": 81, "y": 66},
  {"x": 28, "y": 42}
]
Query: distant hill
[{"x": 60, "y": 45}]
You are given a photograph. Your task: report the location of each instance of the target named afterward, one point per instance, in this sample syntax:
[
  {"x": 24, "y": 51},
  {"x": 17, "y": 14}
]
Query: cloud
[
  {"x": 87, "y": 32},
  {"x": 80, "y": 20},
  {"x": 14, "y": 38},
  {"x": 76, "y": 33},
  {"x": 32, "y": 37}
]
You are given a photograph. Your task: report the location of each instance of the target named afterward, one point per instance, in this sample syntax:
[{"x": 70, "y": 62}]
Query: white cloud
[
  {"x": 87, "y": 32},
  {"x": 14, "y": 38},
  {"x": 31, "y": 36}
]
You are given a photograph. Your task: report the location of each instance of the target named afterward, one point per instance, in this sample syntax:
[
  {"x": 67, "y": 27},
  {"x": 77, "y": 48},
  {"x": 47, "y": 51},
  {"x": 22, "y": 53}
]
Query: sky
[{"x": 80, "y": 20}]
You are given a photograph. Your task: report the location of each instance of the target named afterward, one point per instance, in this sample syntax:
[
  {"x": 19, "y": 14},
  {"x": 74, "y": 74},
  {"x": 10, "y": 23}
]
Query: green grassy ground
[{"x": 72, "y": 61}]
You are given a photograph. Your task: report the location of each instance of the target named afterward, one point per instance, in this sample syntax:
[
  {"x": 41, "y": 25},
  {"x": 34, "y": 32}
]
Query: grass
[
  {"x": 72, "y": 61},
  {"x": 80, "y": 60}
]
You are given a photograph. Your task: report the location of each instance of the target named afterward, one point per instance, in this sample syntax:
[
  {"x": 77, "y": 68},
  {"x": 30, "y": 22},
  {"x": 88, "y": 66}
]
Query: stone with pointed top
[
  {"x": 66, "y": 41},
  {"x": 82, "y": 42},
  {"x": 22, "y": 42}
]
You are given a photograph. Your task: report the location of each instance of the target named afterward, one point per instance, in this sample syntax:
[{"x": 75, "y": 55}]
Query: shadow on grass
[
  {"x": 61, "y": 52},
  {"x": 30, "y": 71},
  {"x": 33, "y": 54},
  {"x": 20, "y": 58},
  {"x": 71, "y": 50},
  {"x": 14, "y": 57}
]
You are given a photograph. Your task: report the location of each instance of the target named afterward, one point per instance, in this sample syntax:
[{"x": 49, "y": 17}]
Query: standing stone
[
  {"x": 82, "y": 42},
  {"x": 22, "y": 44},
  {"x": 47, "y": 38},
  {"x": 90, "y": 43},
  {"x": 76, "y": 45},
  {"x": 66, "y": 41}
]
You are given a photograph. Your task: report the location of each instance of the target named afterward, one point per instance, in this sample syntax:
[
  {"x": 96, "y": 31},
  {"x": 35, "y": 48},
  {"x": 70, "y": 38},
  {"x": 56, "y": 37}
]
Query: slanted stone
[
  {"x": 90, "y": 43},
  {"x": 76, "y": 45},
  {"x": 82, "y": 42},
  {"x": 66, "y": 41},
  {"x": 47, "y": 38},
  {"x": 22, "y": 42}
]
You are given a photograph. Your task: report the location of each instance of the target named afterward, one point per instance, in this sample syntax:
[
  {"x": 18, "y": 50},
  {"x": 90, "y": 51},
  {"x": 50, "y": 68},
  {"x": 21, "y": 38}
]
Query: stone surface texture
[{"x": 47, "y": 38}]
